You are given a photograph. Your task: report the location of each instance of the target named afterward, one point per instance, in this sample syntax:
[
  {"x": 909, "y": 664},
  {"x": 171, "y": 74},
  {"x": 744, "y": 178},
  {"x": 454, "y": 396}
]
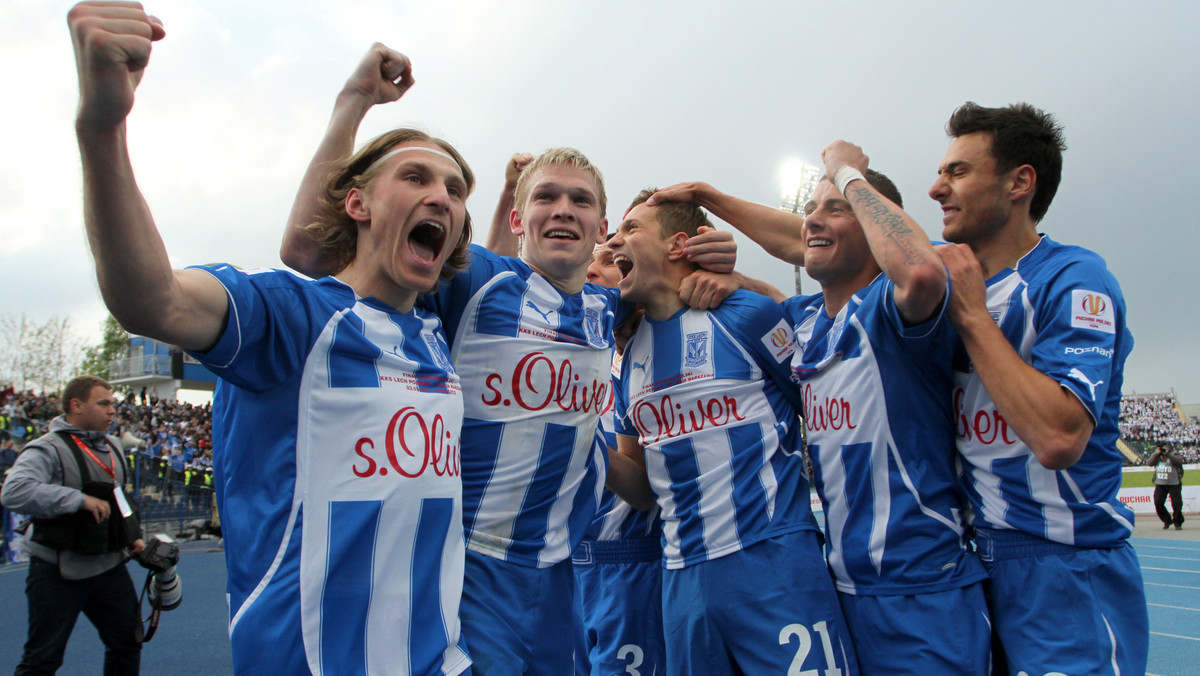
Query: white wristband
[{"x": 843, "y": 177}]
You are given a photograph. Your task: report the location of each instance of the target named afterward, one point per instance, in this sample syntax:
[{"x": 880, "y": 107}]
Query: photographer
[
  {"x": 83, "y": 530},
  {"x": 1168, "y": 482}
]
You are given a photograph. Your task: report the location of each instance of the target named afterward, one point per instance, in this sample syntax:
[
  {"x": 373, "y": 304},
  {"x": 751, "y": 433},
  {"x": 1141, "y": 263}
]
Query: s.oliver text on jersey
[
  {"x": 832, "y": 413},
  {"x": 668, "y": 419},
  {"x": 412, "y": 446},
  {"x": 537, "y": 382},
  {"x": 984, "y": 426}
]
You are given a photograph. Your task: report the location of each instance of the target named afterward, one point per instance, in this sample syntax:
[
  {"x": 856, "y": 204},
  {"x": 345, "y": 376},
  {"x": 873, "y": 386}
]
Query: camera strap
[{"x": 155, "y": 610}]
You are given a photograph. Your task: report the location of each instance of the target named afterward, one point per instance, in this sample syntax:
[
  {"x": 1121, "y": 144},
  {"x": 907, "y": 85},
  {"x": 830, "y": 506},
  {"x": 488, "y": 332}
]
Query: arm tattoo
[{"x": 880, "y": 215}]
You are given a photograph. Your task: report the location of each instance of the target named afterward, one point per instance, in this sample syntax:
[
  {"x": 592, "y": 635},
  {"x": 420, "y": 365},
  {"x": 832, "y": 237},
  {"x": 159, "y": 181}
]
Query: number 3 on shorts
[{"x": 635, "y": 655}]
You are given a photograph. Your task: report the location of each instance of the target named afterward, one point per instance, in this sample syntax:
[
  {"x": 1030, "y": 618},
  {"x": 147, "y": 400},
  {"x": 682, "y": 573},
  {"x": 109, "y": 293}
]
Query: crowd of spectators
[
  {"x": 173, "y": 439},
  {"x": 1151, "y": 419}
]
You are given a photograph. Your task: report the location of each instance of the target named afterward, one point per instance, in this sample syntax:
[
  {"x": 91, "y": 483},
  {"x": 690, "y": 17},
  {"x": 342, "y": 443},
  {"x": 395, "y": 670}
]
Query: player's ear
[
  {"x": 515, "y": 224},
  {"x": 356, "y": 206},
  {"x": 602, "y": 231},
  {"x": 675, "y": 246},
  {"x": 1024, "y": 181}
]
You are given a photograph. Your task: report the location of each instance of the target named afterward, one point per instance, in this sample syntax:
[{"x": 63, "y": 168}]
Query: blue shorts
[
  {"x": 943, "y": 632},
  {"x": 767, "y": 609},
  {"x": 1057, "y": 608},
  {"x": 519, "y": 620},
  {"x": 620, "y": 594}
]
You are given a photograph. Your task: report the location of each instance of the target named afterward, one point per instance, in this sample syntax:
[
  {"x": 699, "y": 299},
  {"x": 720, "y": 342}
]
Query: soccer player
[
  {"x": 873, "y": 367},
  {"x": 337, "y": 415},
  {"x": 1036, "y": 399},
  {"x": 533, "y": 345},
  {"x": 618, "y": 564},
  {"x": 707, "y": 425}
]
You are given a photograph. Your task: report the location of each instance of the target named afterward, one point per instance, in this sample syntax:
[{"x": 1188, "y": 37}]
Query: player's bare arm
[
  {"x": 382, "y": 76},
  {"x": 627, "y": 473},
  {"x": 501, "y": 240},
  {"x": 777, "y": 232},
  {"x": 1048, "y": 418},
  {"x": 705, "y": 290},
  {"x": 112, "y": 42},
  {"x": 900, "y": 247}
]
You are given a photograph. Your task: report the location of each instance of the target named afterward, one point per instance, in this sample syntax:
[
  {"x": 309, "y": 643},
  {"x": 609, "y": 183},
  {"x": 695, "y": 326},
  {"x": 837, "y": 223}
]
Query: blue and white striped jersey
[
  {"x": 1063, "y": 312},
  {"x": 617, "y": 519},
  {"x": 881, "y": 439},
  {"x": 708, "y": 396},
  {"x": 336, "y": 460},
  {"x": 535, "y": 364}
]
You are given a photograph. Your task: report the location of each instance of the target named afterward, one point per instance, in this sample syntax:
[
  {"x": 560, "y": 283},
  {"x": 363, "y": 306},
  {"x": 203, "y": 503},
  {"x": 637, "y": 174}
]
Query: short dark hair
[
  {"x": 675, "y": 217},
  {"x": 884, "y": 185},
  {"x": 80, "y": 388},
  {"x": 1020, "y": 134}
]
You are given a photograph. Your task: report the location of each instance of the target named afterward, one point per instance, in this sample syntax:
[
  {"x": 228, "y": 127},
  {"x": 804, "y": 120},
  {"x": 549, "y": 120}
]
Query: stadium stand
[{"x": 1151, "y": 419}]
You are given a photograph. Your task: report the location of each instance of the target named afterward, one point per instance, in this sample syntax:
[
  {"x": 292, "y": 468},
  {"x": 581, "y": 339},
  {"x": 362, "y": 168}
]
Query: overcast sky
[{"x": 237, "y": 95}]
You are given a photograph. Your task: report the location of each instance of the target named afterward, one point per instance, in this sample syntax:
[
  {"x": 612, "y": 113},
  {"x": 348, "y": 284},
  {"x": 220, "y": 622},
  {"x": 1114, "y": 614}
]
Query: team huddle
[{"x": 576, "y": 452}]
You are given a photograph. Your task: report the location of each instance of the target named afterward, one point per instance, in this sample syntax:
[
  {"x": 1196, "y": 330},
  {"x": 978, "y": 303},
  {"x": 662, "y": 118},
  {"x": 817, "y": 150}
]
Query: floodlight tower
[{"x": 799, "y": 181}]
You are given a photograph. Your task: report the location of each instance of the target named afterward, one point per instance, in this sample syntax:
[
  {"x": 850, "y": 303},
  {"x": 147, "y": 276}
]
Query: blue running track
[{"x": 192, "y": 639}]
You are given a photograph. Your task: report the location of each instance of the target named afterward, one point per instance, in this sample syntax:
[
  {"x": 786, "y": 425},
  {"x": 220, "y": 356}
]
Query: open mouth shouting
[
  {"x": 623, "y": 264},
  {"x": 427, "y": 240}
]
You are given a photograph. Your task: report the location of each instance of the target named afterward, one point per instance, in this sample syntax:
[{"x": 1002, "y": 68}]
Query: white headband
[{"x": 396, "y": 151}]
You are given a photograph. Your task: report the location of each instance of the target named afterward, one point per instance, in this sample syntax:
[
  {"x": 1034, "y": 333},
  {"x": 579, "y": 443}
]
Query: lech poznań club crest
[{"x": 696, "y": 350}]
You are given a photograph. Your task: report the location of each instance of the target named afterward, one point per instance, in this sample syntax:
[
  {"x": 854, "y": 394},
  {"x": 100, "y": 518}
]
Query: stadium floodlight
[{"x": 799, "y": 180}]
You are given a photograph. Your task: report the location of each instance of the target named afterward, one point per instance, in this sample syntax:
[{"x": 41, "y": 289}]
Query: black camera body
[{"x": 160, "y": 558}]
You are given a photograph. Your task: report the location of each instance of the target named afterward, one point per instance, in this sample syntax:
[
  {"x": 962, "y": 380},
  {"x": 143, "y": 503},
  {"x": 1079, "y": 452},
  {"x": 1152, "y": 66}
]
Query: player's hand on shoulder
[
  {"x": 112, "y": 42},
  {"x": 382, "y": 76},
  {"x": 968, "y": 289},
  {"x": 705, "y": 290}
]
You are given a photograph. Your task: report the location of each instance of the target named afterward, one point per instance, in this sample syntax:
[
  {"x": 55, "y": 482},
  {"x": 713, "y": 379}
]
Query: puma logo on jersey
[
  {"x": 545, "y": 315},
  {"x": 1078, "y": 375},
  {"x": 640, "y": 365}
]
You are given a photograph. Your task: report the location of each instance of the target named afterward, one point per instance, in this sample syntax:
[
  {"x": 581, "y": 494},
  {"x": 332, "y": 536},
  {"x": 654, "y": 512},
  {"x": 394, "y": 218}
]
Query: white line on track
[
  {"x": 1163, "y": 605},
  {"x": 1190, "y": 638},
  {"x": 1170, "y": 570},
  {"x": 1180, "y": 549},
  {"x": 1168, "y": 558},
  {"x": 1163, "y": 584}
]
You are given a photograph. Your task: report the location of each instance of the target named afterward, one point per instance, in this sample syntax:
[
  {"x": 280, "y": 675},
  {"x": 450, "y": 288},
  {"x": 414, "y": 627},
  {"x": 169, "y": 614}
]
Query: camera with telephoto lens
[{"x": 160, "y": 557}]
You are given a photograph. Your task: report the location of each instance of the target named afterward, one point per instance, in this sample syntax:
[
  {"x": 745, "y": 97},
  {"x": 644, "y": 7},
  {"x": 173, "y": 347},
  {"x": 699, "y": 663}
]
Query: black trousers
[
  {"x": 108, "y": 600},
  {"x": 1160, "y": 504}
]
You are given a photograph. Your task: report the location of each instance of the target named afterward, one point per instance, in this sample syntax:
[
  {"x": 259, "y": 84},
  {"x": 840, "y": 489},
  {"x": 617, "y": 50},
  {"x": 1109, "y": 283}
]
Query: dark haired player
[{"x": 1037, "y": 396}]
